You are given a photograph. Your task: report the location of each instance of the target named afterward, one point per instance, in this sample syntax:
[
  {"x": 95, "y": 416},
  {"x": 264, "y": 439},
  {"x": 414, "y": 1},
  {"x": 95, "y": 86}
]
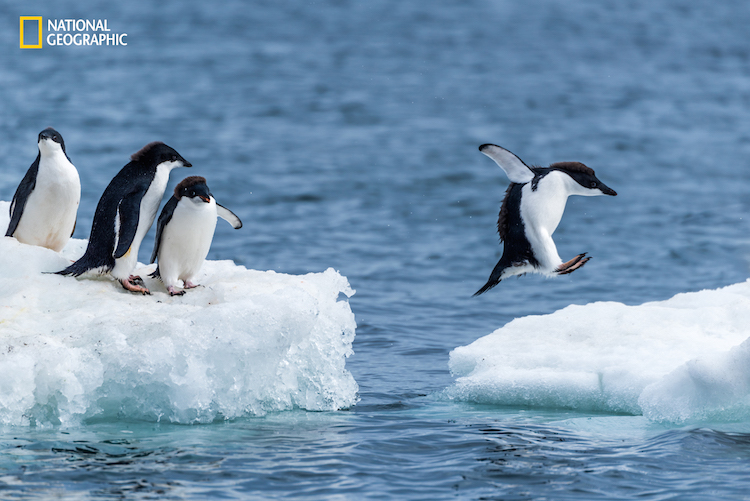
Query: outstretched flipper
[
  {"x": 514, "y": 167},
  {"x": 228, "y": 216}
]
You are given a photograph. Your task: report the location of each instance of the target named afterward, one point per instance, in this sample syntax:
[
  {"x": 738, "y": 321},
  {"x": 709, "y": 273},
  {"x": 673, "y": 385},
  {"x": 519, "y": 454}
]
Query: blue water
[{"x": 345, "y": 134}]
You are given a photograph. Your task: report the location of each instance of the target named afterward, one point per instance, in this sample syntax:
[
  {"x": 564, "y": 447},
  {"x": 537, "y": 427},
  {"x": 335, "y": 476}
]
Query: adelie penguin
[
  {"x": 44, "y": 207},
  {"x": 125, "y": 213},
  {"x": 532, "y": 209},
  {"x": 184, "y": 233}
]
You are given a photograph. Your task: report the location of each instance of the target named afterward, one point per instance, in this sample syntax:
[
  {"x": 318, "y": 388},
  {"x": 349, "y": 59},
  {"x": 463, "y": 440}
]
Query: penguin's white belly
[
  {"x": 542, "y": 211},
  {"x": 185, "y": 241},
  {"x": 49, "y": 215}
]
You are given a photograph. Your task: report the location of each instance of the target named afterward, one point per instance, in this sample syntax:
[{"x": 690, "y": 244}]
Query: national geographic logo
[
  {"x": 31, "y": 32},
  {"x": 72, "y": 32}
]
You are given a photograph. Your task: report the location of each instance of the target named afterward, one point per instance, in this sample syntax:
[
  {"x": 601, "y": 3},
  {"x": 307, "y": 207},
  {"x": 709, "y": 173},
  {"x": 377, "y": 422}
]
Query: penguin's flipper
[
  {"x": 164, "y": 218},
  {"x": 228, "y": 216},
  {"x": 517, "y": 171},
  {"x": 128, "y": 214},
  {"x": 28, "y": 183}
]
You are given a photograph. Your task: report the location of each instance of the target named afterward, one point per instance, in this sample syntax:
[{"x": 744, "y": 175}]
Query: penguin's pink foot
[
  {"x": 572, "y": 265},
  {"x": 174, "y": 292},
  {"x": 190, "y": 285},
  {"x": 135, "y": 284}
]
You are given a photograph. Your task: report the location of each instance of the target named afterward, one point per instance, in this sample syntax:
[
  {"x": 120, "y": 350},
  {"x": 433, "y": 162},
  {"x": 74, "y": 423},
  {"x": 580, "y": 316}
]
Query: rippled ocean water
[{"x": 345, "y": 135}]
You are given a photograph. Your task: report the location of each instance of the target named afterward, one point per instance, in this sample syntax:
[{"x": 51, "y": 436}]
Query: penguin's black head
[
  {"x": 191, "y": 187},
  {"x": 585, "y": 177},
  {"x": 51, "y": 134},
  {"x": 157, "y": 153}
]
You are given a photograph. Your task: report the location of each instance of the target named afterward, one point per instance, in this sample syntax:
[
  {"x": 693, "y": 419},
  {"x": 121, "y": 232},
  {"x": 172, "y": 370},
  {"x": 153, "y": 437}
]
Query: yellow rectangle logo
[{"x": 29, "y": 20}]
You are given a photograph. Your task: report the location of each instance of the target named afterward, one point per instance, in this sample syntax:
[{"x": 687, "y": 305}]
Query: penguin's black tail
[
  {"x": 489, "y": 285},
  {"x": 86, "y": 263},
  {"x": 494, "y": 277}
]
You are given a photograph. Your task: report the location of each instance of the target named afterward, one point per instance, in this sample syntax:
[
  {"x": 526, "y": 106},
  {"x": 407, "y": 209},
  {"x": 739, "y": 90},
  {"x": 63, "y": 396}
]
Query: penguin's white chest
[
  {"x": 50, "y": 213},
  {"x": 542, "y": 209},
  {"x": 186, "y": 240},
  {"x": 150, "y": 205}
]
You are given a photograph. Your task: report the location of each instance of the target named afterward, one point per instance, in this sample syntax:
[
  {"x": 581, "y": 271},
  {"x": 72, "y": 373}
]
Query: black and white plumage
[
  {"x": 531, "y": 210},
  {"x": 184, "y": 232},
  {"x": 45, "y": 206},
  {"x": 125, "y": 213}
]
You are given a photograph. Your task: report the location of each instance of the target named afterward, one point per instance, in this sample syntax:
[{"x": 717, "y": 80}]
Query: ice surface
[
  {"x": 246, "y": 343},
  {"x": 679, "y": 360}
]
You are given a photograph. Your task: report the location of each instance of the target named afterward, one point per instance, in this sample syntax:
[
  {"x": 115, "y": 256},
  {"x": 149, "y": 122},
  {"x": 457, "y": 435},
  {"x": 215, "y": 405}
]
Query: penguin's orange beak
[{"x": 205, "y": 199}]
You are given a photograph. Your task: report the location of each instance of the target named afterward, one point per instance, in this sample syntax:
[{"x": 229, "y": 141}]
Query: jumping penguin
[
  {"x": 531, "y": 210},
  {"x": 44, "y": 208},
  {"x": 125, "y": 213},
  {"x": 184, "y": 233}
]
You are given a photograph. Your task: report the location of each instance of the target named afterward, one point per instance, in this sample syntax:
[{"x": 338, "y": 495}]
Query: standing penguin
[
  {"x": 184, "y": 232},
  {"x": 531, "y": 210},
  {"x": 125, "y": 213},
  {"x": 44, "y": 207}
]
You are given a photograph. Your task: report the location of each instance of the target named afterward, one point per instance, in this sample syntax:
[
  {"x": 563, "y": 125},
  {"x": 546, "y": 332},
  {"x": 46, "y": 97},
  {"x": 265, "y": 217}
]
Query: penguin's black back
[
  {"x": 27, "y": 185},
  {"x": 131, "y": 182},
  {"x": 510, "y": 227}
]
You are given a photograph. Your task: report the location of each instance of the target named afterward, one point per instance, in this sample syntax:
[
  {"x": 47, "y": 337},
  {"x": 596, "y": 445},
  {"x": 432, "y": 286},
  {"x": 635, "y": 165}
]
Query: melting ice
[
  {"x": 246, "y": 343},
  {"x": 683, "y": 359}
]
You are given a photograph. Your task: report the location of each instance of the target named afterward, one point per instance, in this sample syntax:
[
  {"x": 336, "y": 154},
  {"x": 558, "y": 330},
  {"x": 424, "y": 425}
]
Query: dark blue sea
[{"x": 344, "y": 134}]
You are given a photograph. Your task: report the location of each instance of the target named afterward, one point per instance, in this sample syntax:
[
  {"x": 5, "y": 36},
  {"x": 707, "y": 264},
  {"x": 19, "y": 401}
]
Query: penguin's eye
[
  {"x": 593, "y": 184},
  {"x": 192, "y": 193},
  {"x": 174, "y": 157}
]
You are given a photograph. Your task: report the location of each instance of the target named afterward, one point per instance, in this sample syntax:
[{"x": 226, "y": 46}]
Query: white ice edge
[{"x": 245, "y": 343}]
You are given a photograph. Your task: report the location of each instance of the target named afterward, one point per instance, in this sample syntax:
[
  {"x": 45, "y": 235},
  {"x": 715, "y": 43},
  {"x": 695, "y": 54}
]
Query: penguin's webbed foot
[
  {"x": 190, "y": 285},
  {"x": 134, "y": 284},
  {"x": 175, "y": 292},
  {"x": 572, "y": 265}
]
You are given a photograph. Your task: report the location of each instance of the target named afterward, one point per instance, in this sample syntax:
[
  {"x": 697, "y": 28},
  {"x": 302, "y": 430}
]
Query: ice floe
[{"x": 245, "y": 343}]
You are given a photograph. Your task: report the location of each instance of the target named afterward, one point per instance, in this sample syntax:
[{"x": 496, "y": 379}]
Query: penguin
[
  {"x": 125, "y": 213},
  {"x": 184, "y": 233},
  {"x": 44, "y": 208},
  {"x": 531, "y": 210}
]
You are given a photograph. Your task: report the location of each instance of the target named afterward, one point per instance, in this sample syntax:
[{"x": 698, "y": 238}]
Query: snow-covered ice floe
[
  {"x": 244, "y": 344},
  {"x": 681, "y": 360}
]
